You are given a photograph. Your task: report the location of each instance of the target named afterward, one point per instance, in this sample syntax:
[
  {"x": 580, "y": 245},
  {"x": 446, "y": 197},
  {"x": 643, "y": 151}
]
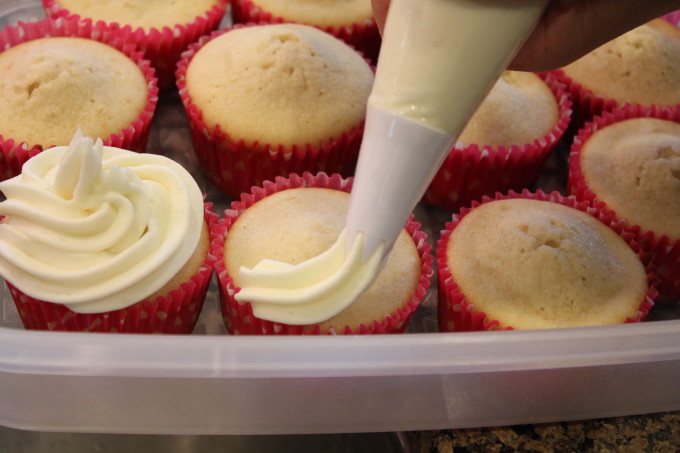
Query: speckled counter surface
[{"x": 642, "y": 433}]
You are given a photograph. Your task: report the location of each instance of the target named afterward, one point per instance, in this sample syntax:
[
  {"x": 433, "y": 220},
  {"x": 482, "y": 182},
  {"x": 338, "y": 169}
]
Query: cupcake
[
  {"x": 269, "y": 100},
  {"x": 641, "y": 66},
  {"x": 537, "y": 261},
  {"x": 629, "y": 160},
  {"x": 57, "y": 77},
  {"x": 505, "y": 144},
  {"x": 161, "y": 29},
  {"x": 292, "y": 220},
  {"x": 100, "y": 239},
  {"x": 349, "y": 20}
]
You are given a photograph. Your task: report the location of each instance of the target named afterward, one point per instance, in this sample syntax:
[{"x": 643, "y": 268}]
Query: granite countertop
[{"x": 640, "y": 433}]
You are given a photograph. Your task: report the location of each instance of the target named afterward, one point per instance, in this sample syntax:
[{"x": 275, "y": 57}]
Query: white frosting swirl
[
  {"x": 97, "y": 228},
  {"x": 312, "y": 291}
]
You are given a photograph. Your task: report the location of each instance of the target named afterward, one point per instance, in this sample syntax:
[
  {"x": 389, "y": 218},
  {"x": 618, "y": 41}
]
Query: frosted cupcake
[
  {"x": 349, "y": 20},
  {"x": 639, "y": 67},
  {"x": 506, "y": 142},
  {"x": 269, "y": 100},
  {"x": 629, "y": 161},
  {"x": 100, "y": 239},
  {"x": 57, "y": 77},
  {"x": 536, "y": 261},
  {"x": 292, "y": 220},
  {"x": 162, "y": 29}
]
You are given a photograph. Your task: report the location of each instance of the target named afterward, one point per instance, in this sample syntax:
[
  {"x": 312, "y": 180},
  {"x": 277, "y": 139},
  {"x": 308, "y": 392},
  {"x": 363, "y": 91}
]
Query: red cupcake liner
[
  {"x": 586, "y": 103},
  {"x": 665, "y": 251},
  {"x": 175, "y": 313},
  {"x": 363, "y": 36},
  {"x": 457, "y": 314},
  {"x": 163, "y": 47},
  {"x": 673, "y": 18},
  {"x": 235, "y": 166},
  {"x": 470, "y": 172},
  {"x": 238, "y": 317},
  {"x": 134, "y": 137}
]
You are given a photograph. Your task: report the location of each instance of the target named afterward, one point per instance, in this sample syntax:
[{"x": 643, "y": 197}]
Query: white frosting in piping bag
[
  {"x": 438, "y": 60},
  {"x": 97, "y": 228}
]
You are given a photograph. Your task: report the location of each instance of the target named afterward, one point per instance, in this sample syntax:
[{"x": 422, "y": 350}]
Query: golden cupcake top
[
  {"x": 319, "y": 12},
  {"x": 146, "y": 14},
  {"x": 283, "y": 84},
  {"x": 51, "y": 87},
  {"x": 295, "y": 225},
  {"x": 634, "y": 167},
  {"x": 519, "y": 109},
  {"x": 536, "y": 264},
  {"x": 641, "y": 66}
]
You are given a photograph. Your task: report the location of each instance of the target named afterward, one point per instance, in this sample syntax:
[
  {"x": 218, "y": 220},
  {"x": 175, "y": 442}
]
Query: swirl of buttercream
[{"x": 97, "y": 228}]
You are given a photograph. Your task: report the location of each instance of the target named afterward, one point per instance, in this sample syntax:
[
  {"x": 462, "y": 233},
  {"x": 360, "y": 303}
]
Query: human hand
[{"x": 571, "y": 28}]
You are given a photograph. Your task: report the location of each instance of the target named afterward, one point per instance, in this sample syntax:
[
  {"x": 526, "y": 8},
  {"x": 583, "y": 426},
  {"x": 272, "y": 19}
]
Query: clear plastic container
[{"x": 213, "y": 383}]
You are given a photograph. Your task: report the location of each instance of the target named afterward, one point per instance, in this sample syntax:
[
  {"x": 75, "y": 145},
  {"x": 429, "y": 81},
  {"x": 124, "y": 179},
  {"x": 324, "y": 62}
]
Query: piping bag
[{"x": 438, "y": 60}]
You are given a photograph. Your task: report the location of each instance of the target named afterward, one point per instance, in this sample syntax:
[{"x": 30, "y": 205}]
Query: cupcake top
[
  {"x": 321, "y": 13},
  {"x": 639, "y": 67},
  {"x": 519, "y": 109},
  {"x": 634, "y": 167},
  {"x": 283, "y": 84},
  {"x": 295, "y": 225},
  {"x": 536, "y": 264},
  {"x": 97, "y": 228},
  {"x": 52, "y": 87},
  {"x": 146, "y": 14}
]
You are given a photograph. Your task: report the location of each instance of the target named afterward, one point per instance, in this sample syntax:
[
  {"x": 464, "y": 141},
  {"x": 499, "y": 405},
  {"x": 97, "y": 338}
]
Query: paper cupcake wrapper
[
  {"x": 457, "y": 314},
  {"x": 363, "y": 36},
  {"x": 235, "y": 166},
  {"x": 470, "y": 172},
  {"x": 666, "y": 252},
  {"x": 238, "y": 317},
  {"x": 175, "y": 313},
  {"x": 673, "y": 18},
  {"x": 163, "y": 47},
  {"x": 134, "y": 137}
]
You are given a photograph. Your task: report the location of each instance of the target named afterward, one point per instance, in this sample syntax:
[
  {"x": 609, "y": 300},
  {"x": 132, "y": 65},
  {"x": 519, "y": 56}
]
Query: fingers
[{"x": 571, "y": 28}]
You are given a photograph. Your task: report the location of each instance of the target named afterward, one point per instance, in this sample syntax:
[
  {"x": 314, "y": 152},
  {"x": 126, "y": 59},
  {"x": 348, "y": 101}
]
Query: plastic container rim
[{"x": 224, "y": 356}]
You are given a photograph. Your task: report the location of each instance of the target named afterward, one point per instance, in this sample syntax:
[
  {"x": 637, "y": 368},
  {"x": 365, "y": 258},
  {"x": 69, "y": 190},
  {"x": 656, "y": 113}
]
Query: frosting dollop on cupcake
[{"x": 97, "y": 228}]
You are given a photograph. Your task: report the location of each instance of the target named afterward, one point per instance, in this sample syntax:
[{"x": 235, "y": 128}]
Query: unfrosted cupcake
[
  {"x": 162, "y": 29},
  {"x": 292, "y": 220},
  {"x": 629, "y": 160},
  {"x": 269, "y": 100},
  {"x": 100, "y": 239},
  {"x": 535, "y": 261},
  {"x": 506, "y": 142},
  {"x": 641, "y": 66},
  {"x": 57, "y": 77},
  {"x": 350, "y": 20}
]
